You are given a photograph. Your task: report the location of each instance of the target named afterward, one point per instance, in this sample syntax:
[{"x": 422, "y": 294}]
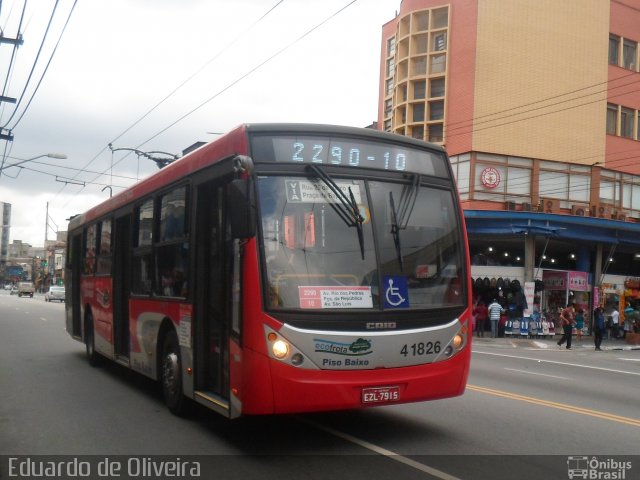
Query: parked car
[
  {"x": 26, "y": 289},
  {"x": 55, "y": 293}
]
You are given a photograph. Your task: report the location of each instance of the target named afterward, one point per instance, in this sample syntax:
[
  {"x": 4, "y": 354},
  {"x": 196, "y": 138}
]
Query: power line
[
  {"x": 176, "y": 89},
  {"x": 33, "y": 67},
  {"x": 237, "y": 80},
  {"x": 46, "y": 67},
  {"x": 248, "y": 73}
]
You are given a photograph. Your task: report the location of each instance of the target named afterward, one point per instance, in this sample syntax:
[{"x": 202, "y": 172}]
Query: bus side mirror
[{"x": 242, "y": 211}]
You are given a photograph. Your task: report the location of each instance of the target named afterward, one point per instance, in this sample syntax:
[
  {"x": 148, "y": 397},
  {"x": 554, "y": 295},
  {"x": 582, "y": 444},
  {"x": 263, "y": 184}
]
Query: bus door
[
  {"x": 121, "y": 286},
  {"x": 74, "y": 322},
  {"x": 213, "y": 316}
]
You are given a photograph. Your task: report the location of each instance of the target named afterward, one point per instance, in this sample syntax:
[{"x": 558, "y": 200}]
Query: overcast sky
[{"x": 118, "y": 59}]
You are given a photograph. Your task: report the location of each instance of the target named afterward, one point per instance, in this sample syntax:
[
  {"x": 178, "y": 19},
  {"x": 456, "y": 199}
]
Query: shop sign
[
  {"x": 529, "y": 294},
  {"x": 579, "y": 281},
  {"x": 490, "y": 177},
  {"x": 554, "y": 280},
  {"x": 632, "y": 283}
]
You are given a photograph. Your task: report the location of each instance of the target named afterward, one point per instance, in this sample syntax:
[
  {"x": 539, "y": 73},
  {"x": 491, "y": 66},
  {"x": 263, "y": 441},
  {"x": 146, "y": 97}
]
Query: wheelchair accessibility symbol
[{"x": 396, "y": 294}]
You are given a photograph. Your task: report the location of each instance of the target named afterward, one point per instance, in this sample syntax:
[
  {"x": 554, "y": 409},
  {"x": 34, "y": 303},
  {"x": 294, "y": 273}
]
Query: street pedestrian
[
  {"x": 615, "y": 322},
  {"x": 598, "y": 327},
  {"x": 481, "y": 312},
  {"x": 579, "y": 324},
  {"x": 495, "y": 309},
  {"x": 567, "y": 323},
  {"x": 502, "y": 324}
]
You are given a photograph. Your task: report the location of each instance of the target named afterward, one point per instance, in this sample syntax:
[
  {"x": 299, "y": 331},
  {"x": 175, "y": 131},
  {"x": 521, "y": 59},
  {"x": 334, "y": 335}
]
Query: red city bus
[{"x": 281, "y": 268}]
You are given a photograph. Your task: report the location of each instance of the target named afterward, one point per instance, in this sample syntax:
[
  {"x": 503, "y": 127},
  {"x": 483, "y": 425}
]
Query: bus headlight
[
  {"x": 457, "y": 341},
  {"x": 280, "y": 349}
]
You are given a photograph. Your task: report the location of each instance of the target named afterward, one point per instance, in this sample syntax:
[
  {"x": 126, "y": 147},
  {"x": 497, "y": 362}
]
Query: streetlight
[{"x": 60, "y": 156}]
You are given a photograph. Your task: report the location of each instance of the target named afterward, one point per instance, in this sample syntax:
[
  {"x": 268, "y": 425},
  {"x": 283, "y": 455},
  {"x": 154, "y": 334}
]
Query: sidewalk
[{"x": 551, "y": 343}]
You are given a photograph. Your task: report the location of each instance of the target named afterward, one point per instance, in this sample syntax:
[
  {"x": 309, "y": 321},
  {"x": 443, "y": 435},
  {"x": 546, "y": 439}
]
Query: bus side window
[
  {"x": 142, "y": 254},
  {"x": 172, "y": 254},
  {"x": 90, "y": 250}
]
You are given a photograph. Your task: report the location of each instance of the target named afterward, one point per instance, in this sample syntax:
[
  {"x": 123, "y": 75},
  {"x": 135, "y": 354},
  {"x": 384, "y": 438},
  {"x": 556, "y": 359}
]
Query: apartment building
[{"x": 537, "y": 103}]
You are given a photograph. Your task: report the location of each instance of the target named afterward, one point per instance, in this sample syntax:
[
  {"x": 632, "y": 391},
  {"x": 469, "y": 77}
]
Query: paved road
[{"x": 529, "y": 406}]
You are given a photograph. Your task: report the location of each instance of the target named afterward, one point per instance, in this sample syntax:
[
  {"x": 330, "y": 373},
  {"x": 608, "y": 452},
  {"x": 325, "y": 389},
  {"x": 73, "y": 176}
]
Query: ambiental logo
[{"x": 595, "y": 468}]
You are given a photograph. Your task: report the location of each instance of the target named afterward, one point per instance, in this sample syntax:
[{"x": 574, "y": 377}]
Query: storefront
[
  {"x": 581, "y": 260},
  {"x": 562, "y": 288}
]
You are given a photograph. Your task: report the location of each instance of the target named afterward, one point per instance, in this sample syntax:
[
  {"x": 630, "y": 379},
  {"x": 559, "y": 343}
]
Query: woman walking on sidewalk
[{"x": 566, "y": 319}]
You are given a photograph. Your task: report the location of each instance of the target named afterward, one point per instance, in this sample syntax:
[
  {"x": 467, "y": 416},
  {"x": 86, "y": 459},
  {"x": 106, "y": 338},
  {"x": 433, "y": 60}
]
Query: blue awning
[{"x": 562, "y": 227}]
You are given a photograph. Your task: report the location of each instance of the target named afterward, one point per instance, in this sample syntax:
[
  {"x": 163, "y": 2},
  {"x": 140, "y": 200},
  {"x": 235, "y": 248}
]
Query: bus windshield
[{"x": 400, "y": 250}]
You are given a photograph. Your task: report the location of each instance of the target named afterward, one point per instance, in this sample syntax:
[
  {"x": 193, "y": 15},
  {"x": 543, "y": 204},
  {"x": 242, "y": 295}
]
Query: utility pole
[
  {"x": 46, "y": 227},
  {"x": 16, "y": 42}
]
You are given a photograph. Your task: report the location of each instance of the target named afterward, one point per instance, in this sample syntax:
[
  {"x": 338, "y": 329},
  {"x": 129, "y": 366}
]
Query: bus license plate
[{"x": 380, "y": 394}]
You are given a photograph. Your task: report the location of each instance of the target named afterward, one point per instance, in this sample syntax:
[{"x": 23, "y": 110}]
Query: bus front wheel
[
  {"x": 171, "y": 375},
  {"x": 89, "y": 342}
]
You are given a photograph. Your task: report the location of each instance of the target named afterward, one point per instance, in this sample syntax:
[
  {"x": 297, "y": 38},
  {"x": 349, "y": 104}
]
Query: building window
[
  {"x": 388, "y": 107},
  {"x": 391, "y": 63},
  {"x": 391, "y": 46},
  {"x": 436, "y": 110},
  {"x": 417, "y": 132},
  {"x": 579, "y": 187},
  {"x": 629, "y": 48},
  {"x": 439, "y": 42},
  {"x": 518, "y": 181},
  {"x": 609, "y": 191},
  {"x": 419, "y": 90},
  {"x": 626, "y": 122},
  {"x": 440, "y": 18},
  {"x": 420, "y": 43},
  {"x": 389, "y": 86},
  {"x": 421, "y": 21},
  {"x": 419, "y": 66},
  {"x": 612, "y": 118},
  {"x": 554, "y": 185},
  {"x": 437, "y": 87},
  {"x": 438, "y": 64},
  {"x": 436, "y": 133},
  {"x": 403, "y": 93},
  {"x": 614, "y": 48},
  {"x": 418, "y": 112}
]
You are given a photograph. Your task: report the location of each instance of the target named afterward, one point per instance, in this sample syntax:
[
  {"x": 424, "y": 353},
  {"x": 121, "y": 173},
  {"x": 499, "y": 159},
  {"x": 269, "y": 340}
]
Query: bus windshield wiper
[
  {"x": 347, "y": 209},
  {"x": 400, "y": 217}
]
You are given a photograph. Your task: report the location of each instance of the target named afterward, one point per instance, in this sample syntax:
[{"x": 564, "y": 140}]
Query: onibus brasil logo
[{"x": 596, "y": 468}]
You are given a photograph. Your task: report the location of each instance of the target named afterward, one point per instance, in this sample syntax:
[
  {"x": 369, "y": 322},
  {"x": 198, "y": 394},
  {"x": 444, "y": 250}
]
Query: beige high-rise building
[{"x": 537, "y": 103}]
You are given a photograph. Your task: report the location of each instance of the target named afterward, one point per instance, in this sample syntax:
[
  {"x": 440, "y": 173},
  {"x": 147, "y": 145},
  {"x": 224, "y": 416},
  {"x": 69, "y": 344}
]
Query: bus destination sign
[{"x": 349, "y": 152}]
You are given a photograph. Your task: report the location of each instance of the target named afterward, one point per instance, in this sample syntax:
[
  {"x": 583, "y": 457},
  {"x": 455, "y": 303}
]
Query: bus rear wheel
[{"x": 171, "y": 375}]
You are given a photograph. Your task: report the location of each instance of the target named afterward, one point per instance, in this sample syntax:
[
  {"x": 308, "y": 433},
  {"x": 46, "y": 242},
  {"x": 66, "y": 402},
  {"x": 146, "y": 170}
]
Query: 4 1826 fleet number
[{"x": 421, "y": 348}]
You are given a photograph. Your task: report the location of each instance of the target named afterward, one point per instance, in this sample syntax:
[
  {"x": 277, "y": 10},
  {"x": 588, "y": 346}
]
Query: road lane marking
[
  {"x": 536, "y": 373},
  {"x": 382, "y": 451},
  {"x": 559, "y": 406},
  {"x": 43, "y": 319},
  {"x": 629, "y": 359},
  {"x": 558, "y": 363}
]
